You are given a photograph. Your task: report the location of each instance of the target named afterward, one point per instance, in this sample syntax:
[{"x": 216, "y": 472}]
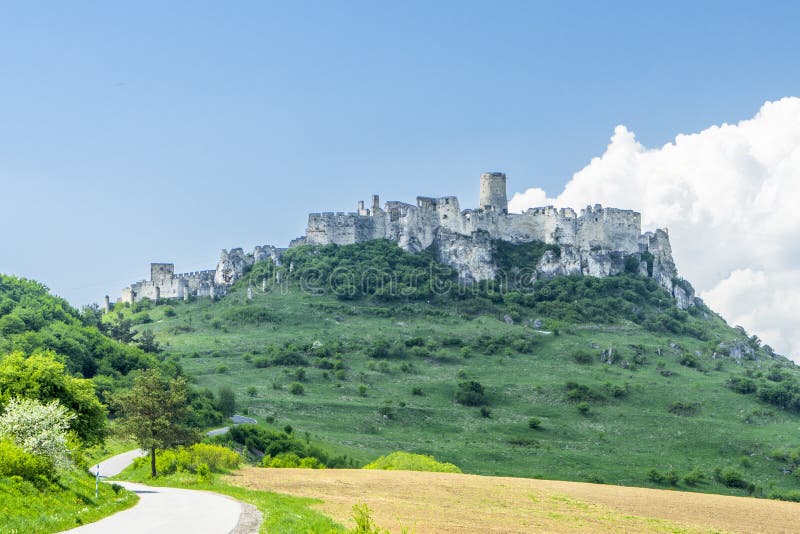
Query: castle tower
[
  {"x": 493, "y": 192},
  {"x": 161, "y": 273}
]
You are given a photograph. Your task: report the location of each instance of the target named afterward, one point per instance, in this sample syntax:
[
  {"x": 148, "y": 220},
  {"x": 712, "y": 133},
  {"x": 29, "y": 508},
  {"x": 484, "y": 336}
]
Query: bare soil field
[{"x": 445, "y": 502}]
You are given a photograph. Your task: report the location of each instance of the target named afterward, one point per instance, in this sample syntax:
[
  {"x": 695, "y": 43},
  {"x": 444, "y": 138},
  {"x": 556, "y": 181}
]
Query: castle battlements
[{"x": 594, "y": 242}]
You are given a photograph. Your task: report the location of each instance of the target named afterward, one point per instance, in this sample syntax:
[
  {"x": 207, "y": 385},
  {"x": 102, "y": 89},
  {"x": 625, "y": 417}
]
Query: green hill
[{"x": 574, "y": 378}]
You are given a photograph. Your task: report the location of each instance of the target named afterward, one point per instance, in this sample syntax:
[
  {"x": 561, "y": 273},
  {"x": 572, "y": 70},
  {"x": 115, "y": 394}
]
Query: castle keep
[{"x": 597, "y": 242}]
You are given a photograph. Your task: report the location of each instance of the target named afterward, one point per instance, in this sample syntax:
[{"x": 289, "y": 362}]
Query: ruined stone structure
[
  {"x": 165, "y": 284},
  {"x": 597, "y": 242}
]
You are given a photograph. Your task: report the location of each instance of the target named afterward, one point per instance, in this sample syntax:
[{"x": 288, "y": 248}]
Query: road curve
[{"x": 164, "y": 510}]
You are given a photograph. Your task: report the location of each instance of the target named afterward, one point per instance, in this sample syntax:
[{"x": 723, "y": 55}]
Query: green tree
[
  {"x": 41, "y": 377},
  {"x": 155, "y": 412},
  {"x": 226, "y": 401},
  {"x": 147, "y": 342}
]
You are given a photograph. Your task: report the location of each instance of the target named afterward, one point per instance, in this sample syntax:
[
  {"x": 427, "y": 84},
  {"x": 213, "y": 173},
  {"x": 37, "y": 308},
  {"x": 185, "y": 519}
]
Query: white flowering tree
[{"x": 37, "y": 428}]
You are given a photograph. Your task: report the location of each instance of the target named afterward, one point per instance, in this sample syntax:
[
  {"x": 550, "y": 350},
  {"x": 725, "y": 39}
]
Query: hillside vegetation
[
  {"x": 372, "y": 350},
  {"x": 50, "y": 414}
]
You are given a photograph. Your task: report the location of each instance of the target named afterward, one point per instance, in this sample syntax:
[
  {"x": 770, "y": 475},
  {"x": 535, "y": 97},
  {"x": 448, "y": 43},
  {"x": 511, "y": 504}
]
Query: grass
[
  {"x": 70, "y": 503},
  {"x": 281, "y": 513},
  {"x": 374, "y": 406}
]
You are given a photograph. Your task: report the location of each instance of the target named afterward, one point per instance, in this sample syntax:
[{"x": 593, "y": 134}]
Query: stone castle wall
[{"x": 595, "y": 242}]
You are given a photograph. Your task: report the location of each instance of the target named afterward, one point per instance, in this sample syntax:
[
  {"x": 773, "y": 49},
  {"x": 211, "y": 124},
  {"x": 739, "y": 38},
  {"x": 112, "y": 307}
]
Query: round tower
[{"x": 493, "y": 192}]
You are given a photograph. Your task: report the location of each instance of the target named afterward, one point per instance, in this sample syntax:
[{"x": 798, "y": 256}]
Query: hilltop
[{"x": 574, "y": 378}]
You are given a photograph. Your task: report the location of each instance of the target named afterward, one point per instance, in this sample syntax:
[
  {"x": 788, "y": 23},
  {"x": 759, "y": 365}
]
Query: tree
[
  {"x": 154, "y": 412},
  {"x": 37, "y": 428},
  {"x": 226, "y": 402},
  {"x": 121, "y": 330},
  {"x": 147, "y": 342},
  {"x": 43, "y": 378}
]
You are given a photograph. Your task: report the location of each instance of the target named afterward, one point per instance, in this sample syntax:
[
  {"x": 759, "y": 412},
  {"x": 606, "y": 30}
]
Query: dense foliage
[
  {"x": 194, "y": 459},
  {"x": 41, "y": 377},
  {"x": 32, "y": 319},
  {"x": 263, "y": 442},
  {"x": 406, "y": 461}
]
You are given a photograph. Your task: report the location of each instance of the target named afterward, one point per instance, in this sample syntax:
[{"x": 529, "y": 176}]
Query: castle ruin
[{"x": 596, "y": 242}]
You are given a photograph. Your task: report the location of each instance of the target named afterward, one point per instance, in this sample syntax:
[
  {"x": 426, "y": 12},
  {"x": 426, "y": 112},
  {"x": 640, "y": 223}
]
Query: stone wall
[{"x": 594, "y": 243}]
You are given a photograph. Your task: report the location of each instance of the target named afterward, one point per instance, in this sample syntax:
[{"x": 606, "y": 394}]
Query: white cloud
[{"x": 730, "y": 196}]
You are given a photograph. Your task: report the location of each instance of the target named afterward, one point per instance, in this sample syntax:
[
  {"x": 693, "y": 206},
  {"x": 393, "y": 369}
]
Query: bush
[
  {"x": 39, "y": 429},
  {"x": 486, "y": 412},
  {"x": 685, "y": 409},
  {"x": 276, "y": 444},
  {"x": 406, "y": 461},
  {"x": 471, "y": 393},
  {"x": 731, "y": 478},
  {"x": 14, "y": 461},
  {"x": 296, "y": 388},
  {"x": 582, "y": 393},
  {"x": 584, "y": 408},
  {"x": 694, "y": 477},
  {"x": 583, "y": 357},
  {"x": 791, "y": 495},
  {"x": 534, "y": 423},
  {"x": 417, "y": 391},
  {"x": 215, "y": 458},
  {"x": 169, "y": 311}
]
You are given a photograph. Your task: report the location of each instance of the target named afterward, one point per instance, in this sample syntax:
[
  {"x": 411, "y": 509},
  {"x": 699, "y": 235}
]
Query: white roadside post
[{"x": 97, "y": 481}]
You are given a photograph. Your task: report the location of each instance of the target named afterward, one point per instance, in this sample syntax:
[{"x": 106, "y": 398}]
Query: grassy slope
[
  {"x": 71, "y": 503},
  {"x": 617, "y": 443}
]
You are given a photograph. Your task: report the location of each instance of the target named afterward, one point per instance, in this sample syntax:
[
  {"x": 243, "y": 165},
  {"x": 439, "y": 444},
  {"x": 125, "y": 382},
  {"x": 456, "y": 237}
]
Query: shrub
[
  {"x": 215, "y": 458},
  {"x": 685, "y": 409},
  {"x": 534, "y": 423},
  {"x": 471, "y": 393},
  {"x": 169, "y": 311},
  {"x": 417, "y": 391},
  {"x": 14, "y": 461},
  {"x": 486, "y": 412},
  {"x": 584, "y": 408},
  {"x": 252, "y": 391},
  {"x": 791, "y": 495},
  {"x": 406, "y": 461},
  {"x": 362, "y": 390},
  {"x": 39, "y": 429},
  {"x": 694, "y": 477},
  {"x": 731, "y": 478},
  {"x": 296, "y": 388},
  {"x": 669, "y": 477},
  {"x": 654, "y": 475},
  {"x": 203, "y": 472},
  {"x": 583, "y": 357},
  {"x": 582, "y": 393}
]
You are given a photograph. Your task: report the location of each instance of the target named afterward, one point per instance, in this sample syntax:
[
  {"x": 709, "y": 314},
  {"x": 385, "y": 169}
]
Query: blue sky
[{"x": 133, "y": 132}]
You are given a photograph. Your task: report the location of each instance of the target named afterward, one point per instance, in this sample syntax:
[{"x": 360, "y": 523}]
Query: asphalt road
[{"x": 165, "y": 510}]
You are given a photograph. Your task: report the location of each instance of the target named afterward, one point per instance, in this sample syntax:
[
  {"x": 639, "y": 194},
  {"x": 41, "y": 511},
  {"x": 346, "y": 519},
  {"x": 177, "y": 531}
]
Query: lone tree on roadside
[{"x": 155, "y": 411}]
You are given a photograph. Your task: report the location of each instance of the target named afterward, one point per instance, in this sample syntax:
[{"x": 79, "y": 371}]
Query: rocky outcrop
[
  {"x": 232, "y": 265},
  {"x": 471, "y": 255}
]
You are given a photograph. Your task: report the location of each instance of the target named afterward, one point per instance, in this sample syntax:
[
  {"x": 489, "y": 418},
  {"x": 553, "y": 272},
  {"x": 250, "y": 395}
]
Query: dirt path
[{"x": 443, "y": 502}]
